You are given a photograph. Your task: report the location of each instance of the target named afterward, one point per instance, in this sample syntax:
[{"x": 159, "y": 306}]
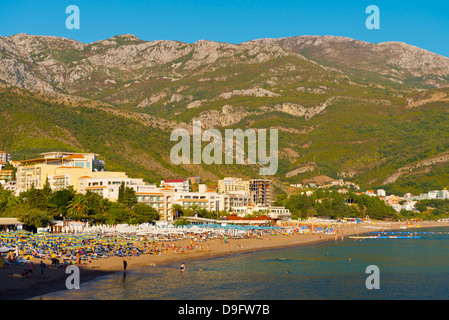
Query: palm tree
[
  {"x": 77, "y": 207},
  {"x": 177, "y": 210}
]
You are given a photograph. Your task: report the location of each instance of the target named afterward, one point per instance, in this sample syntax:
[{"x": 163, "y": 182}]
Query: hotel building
[
  {"x": 260, "y": 191},
  {"x": 280, "y": 213},
  {"x": 108, "y": 187},
  {"x": 6, "y": 175},
  {"x": 162, "y": 200},
  {"x": 180, "y": 185},
  {"x": 4, "y": 157},
  {"x": 233, "y": 185},
  {"x": 61, "y": 169}
]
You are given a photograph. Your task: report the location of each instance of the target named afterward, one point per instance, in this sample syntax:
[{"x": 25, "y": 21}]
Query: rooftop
[{"x": 173, "y": 180}]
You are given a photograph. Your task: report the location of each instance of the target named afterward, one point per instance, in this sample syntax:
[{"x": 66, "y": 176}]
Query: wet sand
[{"x": 16, "y": 288}]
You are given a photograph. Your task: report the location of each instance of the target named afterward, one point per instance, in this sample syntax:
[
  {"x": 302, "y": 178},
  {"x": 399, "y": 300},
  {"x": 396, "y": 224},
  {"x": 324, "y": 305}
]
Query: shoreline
[{"x": 54, "y": 279}]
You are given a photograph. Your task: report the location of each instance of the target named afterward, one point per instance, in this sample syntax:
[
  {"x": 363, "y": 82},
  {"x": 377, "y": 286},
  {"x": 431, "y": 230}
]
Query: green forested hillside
[
  {"x": 372, "y": 142},
  {"x": 372, "y": 114}
]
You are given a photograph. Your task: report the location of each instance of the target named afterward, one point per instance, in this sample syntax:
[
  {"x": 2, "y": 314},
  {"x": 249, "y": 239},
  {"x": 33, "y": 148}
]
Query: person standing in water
[
  {"x": 125, "y": 264},
  {"x": 183, "y": 267}
]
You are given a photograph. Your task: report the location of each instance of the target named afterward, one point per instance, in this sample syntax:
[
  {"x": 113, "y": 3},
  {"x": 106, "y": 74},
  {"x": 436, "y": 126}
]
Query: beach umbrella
[{"x": 6, "y": 249}]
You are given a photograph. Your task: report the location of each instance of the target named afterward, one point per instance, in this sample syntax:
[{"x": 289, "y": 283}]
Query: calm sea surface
[{"x": 409, "y": 269}]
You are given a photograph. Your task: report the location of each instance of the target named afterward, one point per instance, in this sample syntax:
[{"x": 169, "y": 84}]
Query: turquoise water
[{"x": 409, "y": 269}]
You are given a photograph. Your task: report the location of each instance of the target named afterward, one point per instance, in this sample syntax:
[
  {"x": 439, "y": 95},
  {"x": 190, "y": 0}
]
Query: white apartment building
[
  {"x": 208, "y": 200},
  {"x": 9, "y": 185},
  {"x": 108, "y": 187},
  {"x": 162, "y": 199},
  {"x": 239, "y": 200},
  {"x": 435, "y": 194},
  {"x": 180, "y": 185},
  {"x": 280, "y": 213},
  {"x": 4, "y": 158}
]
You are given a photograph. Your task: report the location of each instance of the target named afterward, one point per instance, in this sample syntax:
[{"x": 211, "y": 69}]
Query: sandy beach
[{"x": 17, "y": 288}]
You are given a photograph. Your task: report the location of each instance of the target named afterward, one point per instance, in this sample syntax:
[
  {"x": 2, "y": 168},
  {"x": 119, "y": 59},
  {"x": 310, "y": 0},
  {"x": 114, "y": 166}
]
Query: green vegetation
[
  {"x": 331, "y": 204},
  {"x": 179, "y": 212},
  {"x": 37, "y": 207},
  {"x": 368, "y": 129},
  {"x": 431, "y": 209}
]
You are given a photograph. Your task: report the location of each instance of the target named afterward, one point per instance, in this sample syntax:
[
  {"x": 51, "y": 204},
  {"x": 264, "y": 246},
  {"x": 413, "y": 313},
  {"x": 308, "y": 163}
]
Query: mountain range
[{"x": 373, "y": 114}]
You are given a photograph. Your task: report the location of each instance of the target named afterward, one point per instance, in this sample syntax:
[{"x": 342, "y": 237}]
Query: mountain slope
[
  {"x": 374, "y": 114},
  {"x": 395, "y": 61}
]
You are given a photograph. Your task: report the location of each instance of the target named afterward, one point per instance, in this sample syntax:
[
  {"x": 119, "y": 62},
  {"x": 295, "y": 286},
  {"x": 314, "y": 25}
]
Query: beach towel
[{"x": 16, "y": 275}]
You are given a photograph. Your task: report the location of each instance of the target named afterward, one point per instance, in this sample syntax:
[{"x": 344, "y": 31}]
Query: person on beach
[
  {"x": 125, "y": 264},
  {"x": 43, "y": 265},
  {"x": 89, "y": 261},
  {"x": 183, "y": 267},
  {"x": 28, "y": 272}
]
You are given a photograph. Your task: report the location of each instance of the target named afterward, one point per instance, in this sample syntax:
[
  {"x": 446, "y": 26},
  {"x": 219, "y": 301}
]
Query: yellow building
[
  {"x": 6, "y": 174},
  {"x": 232, "y": 185},
  {"x": 61, "y": 170}
]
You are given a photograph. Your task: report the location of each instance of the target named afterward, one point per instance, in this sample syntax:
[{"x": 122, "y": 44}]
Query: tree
[
  {"x": 97, "y": 205},
  {"x": 7, "y": 200},
  {"x": 35, "y": 198},
  {"x": 126, "y": 196},
  {"x": 182, "y": 222},
  {"x": 121, "y": 192},
  {"x": 177, "y": 210},
  {"x": 33, "y": 217},
  {"x": 61, "y": 199},
  {"x": 116, "y": 213},
  {"x": 77, "y": 207},
  {"x": 46, "y": 190},
  {"x": 145, "y": 213}
]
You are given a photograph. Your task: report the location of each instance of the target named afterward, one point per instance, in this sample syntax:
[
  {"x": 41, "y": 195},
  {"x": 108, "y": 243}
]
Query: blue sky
[{"x": 421, "y": 23}]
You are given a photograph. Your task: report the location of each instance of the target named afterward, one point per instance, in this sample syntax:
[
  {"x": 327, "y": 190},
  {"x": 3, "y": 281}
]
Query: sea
[{"x": 404, "y": 268}]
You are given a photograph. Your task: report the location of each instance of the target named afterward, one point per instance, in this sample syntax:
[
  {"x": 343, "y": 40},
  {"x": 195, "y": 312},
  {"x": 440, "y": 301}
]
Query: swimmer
[{"x": 183, "y": 267}]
